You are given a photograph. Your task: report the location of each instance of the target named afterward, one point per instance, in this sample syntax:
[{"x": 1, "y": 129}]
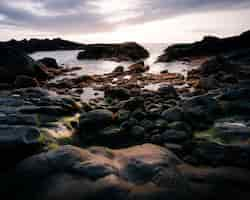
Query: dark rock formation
[
  {"x": 145, "y": 172},
  {"x": 209, "y": 46},
  {"x": 28, "y": 118},
  {"x": 13, "y": 63},
  {"x": 33, "y": 45},
  {"x": 49, "y": 62},
  {"x": 138, "y": 67},
  {"x": 120, "y": 52},
  {"x": 117, "y": 93},
  {"x": 23, "y": 81},
  {"x": 119, "y": 70}
]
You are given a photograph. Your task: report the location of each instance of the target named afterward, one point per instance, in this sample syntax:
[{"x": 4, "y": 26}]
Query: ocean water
[{"x": 90, "y": 67}]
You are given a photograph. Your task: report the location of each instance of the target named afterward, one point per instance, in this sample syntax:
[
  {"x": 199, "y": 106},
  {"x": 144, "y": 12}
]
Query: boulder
[
  {"x": 121, "y": 52},
  {"x": 138, "y": 68},
  {"x": 217, "y": 154},
  {"x": 18, "y": 142},
  {"x": 137, "y": 132},
  {"x": 180, "y": 126},
  {"x": 144, "y": 172},
  {"x": 232, "y": 131},
  {"x": 117, "y": 93},
  {"x": 216, "y": 182},
  {"x": 207, "y": 83},
  {"x": 49, "y": 62},
  {"x": 23, "y": 81},
  {"x": 132, "y": 103},
  {"x": 14, "y": 63},
  {"x": 95, "y": 120},
  {"x": 169, "y": 91},
  {"x": 173, "y": 114},
  {"x": 200, "y": 111},
  {"x": 118, "y": 70}
]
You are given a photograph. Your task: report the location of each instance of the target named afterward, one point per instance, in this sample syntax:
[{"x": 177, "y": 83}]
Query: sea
[{"x": 90, "y": 67}]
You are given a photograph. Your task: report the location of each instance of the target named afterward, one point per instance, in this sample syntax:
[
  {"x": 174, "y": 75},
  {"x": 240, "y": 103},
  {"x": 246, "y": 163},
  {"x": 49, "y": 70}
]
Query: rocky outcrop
[
  {"x": 144, "y": 172},
  {"x": 49, "y": 62},
  {"x": 23, "y": 81},
  {"x": 138, "y": 68},
  {"x": 34, "y": 45},
  {"x": 14, "y": 63},
  {"x": 222, "y": 71},
  {"x": 30, "y": 120},
  {"x": 209, "y": 46},
  {"x": 119, "y": 52}
]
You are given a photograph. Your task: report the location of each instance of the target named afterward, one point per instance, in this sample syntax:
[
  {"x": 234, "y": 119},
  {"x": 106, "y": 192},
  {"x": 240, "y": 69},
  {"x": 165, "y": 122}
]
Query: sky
[{"x": 147, "y": 21}]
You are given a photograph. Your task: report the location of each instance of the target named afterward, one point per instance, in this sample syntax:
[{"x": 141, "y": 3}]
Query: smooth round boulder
[
  {"x": 117, "y": 93},
  {"x": 173, "y": 114},
  {"x": 118, "y": 70},
  {"x": 138, "y": 67},
  {"x": 49, "y": 62},
  {"x": 168, "y": 90},
  {"x": 96, "y": 119},
  {"x": 99, "y": 173}
]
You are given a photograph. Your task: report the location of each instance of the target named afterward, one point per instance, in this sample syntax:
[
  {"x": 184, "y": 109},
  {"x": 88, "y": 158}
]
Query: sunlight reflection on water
[{"x": 90, "y": 67}]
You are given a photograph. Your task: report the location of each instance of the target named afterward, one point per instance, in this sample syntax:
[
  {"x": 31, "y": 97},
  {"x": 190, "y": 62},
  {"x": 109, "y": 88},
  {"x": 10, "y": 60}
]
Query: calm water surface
[{"x": 90, "y": 67}]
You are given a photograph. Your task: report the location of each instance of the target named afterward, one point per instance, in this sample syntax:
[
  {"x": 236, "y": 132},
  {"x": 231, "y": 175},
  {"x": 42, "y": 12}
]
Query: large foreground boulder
[
  {"x": 130, "y": 51},
  {"x": 140, "y": 172},
  {"x": 14, "y": 63},
  {"x": 145, "y": 172}
]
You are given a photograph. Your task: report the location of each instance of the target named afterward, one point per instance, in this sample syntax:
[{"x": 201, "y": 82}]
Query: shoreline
[{"x": 128, "y": 141}]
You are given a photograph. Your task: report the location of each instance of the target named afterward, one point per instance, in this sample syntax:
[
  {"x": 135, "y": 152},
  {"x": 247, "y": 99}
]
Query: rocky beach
[{"x": 130, "y": 133}]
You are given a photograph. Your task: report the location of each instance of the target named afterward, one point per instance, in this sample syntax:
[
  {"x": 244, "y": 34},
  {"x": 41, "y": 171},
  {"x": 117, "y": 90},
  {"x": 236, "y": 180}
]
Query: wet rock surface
[
  {"x": 144, "y": 172},
  {"x": 29, "y": 121},
  {"x": 187, "y": 139}
]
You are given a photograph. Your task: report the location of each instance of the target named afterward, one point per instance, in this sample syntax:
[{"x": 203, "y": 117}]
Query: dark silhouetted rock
[
  {"x": 104, "y": 173},
  {"x": 117, "y": 93},
  {"x": 14, "y": 63},
  {"x": 34, "y": 45},
  {"x": 49, "y": 62},
  {"x": 138, "y": 68},
  {"x": 209, "y": 46},
  {"x": 168, "y": 90},
  {"x": 173, "y": 114},
  {"x": 118, "y": 70},
  {"x": 120, "y": 52},
  {"x": 95, "y": 120},
  {"x": 23, "y": 81}
]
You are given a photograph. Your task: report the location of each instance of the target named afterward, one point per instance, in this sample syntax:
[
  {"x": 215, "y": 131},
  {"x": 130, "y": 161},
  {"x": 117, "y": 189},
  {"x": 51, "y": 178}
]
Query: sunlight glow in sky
[
  {"x": 144, "y": 21},
  {"x": 185, "y": 28}
]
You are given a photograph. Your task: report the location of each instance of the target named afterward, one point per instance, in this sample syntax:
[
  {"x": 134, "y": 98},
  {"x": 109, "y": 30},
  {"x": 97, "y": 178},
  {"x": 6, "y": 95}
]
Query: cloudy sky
[{"x": 123, "y": 20}]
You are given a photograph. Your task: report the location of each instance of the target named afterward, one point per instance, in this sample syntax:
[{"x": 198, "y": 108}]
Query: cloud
[{"x": 93, "y": 16}]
